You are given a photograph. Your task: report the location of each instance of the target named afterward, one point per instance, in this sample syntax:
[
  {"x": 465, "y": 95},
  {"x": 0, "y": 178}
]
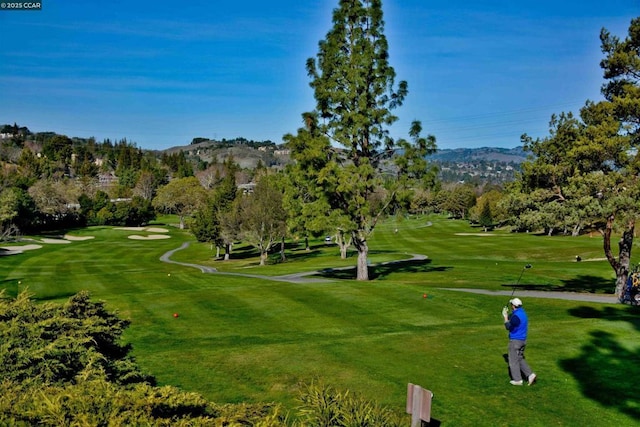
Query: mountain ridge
[{"x": 514, "y": 155}]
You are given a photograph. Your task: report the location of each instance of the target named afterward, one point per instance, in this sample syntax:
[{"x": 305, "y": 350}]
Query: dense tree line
[
  {"x": 235, "y": 141},
  {"x": 52, "y": 181}
]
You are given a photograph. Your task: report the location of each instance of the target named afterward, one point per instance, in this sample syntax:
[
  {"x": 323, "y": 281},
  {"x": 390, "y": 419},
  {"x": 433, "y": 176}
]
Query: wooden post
[{"x": 418, "y": 404}]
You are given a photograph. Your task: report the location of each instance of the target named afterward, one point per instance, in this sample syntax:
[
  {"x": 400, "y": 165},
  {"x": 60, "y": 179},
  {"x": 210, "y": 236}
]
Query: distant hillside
[
  {"x": 478, "y": 166},
  {"x": 509, "y": 155},
  {"x": 247, "y": 154},
  {"x": 241, "y": 148}
]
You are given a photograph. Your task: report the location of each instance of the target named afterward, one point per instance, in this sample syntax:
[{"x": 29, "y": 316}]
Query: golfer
[{"x": 517, "y": 325}]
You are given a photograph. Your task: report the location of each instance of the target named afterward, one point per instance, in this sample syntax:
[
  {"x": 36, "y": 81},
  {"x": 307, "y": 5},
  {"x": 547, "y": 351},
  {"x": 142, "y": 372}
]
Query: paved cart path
[
  {"x": 304, "y": 277},
  {"x": 572, "y": 296}
]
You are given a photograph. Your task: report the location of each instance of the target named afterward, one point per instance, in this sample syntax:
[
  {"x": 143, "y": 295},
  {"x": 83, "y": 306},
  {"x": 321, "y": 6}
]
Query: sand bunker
[
  {"x": 149, "y": 229},
  {"x": 157, "y": 230},
  {"x": 55, "y": 241},
  {"x": 150, "y": 237},
  {"x": 78, "y": 238},
  {"x": 14, "y": 250}
]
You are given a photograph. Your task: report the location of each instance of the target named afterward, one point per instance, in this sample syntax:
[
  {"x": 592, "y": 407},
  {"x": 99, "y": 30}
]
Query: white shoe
[
  {"x": 514, "y": 382},
  {"x": 532, "y": 378}
]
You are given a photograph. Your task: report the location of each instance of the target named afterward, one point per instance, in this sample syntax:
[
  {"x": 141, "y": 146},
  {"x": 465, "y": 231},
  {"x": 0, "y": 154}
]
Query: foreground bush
[{"x": 63, "y": 365}]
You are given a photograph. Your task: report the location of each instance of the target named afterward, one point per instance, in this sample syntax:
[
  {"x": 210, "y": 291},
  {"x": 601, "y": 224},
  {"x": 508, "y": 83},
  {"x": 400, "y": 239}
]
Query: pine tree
[{"x": 355, "y": 91}]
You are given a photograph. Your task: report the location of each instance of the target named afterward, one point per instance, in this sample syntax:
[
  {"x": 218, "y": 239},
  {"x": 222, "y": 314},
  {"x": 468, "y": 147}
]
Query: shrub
[
  {"x": 63, "y": 365},
  {"x": 324, "y": 406}
]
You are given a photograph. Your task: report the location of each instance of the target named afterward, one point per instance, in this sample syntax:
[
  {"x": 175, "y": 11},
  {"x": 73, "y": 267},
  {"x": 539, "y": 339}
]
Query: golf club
[{"x": 518, "y": 282}]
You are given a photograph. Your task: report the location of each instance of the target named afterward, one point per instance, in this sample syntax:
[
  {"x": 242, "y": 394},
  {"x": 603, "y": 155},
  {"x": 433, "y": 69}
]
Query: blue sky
[{"x": 480, "y": 73}]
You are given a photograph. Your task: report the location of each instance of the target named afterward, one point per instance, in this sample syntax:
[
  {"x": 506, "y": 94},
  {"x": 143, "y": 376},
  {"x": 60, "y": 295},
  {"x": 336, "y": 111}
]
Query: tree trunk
[
  {"x": 306, "y": 244},
  {"x": 343, "y": 250},
  {"x": 576, "y": 230},
  {"x": 621, "y": 265},
  {"x": 363, "y": 252},
  {"x": 263, "y": 257},
  {"x": 342, "y": 243},
  {"x": 217, "y": 251},
  {"x": 227, "y": 251}
]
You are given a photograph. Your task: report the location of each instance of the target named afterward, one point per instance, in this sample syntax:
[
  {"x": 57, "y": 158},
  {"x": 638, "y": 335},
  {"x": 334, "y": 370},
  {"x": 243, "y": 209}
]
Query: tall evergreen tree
[{"x": 355, "y": 91}]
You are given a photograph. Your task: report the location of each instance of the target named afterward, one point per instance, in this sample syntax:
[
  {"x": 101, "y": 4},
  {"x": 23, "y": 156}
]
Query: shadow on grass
[
  {"x": 383, "y": 270},
  {"x": 607, "y": 371},
  {"x": 244, "y": 253},
  {"x": 410, "y": 266},
  {"x": 294, "y": 256},
  {"x": 346, "y": 273},
  {"x": 293, "y": 250},
  {"x": 583, "y": 283}
]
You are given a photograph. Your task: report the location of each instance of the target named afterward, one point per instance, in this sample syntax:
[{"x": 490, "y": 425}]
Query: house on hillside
[
  {"x": 247, "y": 188},
  {"x": 107, "y": 180}
]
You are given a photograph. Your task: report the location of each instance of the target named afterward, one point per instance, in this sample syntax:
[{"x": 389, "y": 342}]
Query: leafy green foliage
[
  {"x": 102, "y": 211},
  {"x": 178, "y": 164},
  {"x": 206, "y": 224},
  {"x": 52, "y": 172},
  {"x": 97, "y": 402},
  {"x": 181, "y": 196},
  {"x": 457, "y": 201},
  {"x": 308, "y": 207},
  {"x": 63, "y": 365},
  {"x": 486, "y": 217},
  {"x": 261, "y": 216},
  {"x": 46, "y": 343},
  {"x": 325, "y": 406},
  {"x": 8, "y": 210}
]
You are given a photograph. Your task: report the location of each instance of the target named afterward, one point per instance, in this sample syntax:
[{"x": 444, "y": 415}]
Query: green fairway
[{"x": 239, "y": 338}]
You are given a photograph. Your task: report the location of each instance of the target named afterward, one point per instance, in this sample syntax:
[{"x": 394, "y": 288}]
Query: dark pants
[{"x": 517, "y": 364}]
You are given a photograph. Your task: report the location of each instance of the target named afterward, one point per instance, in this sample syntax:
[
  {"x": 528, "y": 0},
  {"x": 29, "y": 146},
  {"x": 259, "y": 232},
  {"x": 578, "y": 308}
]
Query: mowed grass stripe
[
  {"x": 460, "y": 239},
  {"x": 329, "y": 334}
]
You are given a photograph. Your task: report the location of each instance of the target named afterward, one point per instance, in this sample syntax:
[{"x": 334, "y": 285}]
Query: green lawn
[{"x": 248, "y": 339}]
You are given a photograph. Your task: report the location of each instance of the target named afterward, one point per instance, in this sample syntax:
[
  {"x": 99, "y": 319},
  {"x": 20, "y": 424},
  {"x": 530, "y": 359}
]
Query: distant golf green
[{"x": 239, "y": 337}]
